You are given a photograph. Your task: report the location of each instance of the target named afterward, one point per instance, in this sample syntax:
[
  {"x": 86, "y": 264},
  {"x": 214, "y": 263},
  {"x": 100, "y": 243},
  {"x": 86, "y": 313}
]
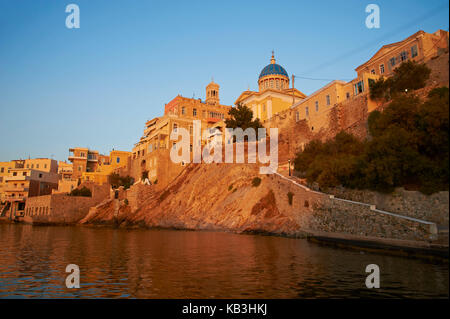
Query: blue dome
[{"x": 273, "y": 68}]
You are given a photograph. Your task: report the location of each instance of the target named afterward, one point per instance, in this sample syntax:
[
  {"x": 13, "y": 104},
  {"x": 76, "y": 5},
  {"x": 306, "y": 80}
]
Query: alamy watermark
[
  {"x": 73, "y": 19},
  {"x": 373, "y": 19},
  {"x": 73, "y": 279},
  {"x": 373, "y": 279},
  {"x": 233, "y": 138}
]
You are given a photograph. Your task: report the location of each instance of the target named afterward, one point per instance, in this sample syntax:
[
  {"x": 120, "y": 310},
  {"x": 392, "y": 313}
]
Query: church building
[{"x": 274, "y": 93}]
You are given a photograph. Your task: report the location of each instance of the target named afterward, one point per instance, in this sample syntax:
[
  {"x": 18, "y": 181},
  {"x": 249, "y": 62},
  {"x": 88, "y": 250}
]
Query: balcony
[
  {"x": 73, "y": 157},
  {"x": 11, "y": 188},
  {"x": 15, "y": 198}
]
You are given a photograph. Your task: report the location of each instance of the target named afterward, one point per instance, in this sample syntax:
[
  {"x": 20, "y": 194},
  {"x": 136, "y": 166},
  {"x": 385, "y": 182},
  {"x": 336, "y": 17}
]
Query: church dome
[
  {"x": 273, "y": 69},
  {"x": 273, "y": 76}
]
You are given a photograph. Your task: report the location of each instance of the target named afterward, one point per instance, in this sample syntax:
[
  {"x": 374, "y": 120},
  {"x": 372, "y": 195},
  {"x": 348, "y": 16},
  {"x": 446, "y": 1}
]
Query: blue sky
[{"x": 96, "y": 86}]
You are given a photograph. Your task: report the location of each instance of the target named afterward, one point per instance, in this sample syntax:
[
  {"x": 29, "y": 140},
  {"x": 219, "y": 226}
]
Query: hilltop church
[{"x": 274, "y": 93}]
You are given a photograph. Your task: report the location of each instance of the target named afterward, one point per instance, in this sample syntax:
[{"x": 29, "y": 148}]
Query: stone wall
[
  {"x": 137, "y": 194},
  {"x": 348, "y": 218},
  {"x": 62, "y": 208},
  {"x": 433, "y": 208},
  {"x": 318, "y": 212}
]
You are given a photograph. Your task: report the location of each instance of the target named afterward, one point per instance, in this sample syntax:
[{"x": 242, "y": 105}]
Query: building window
[
  {"x": 175, "y": 126},
  {"x": 45, "y": 165},
  {"x": 359, "y": 87},
  {"x": 14, "y": 173},
  {"x": 372, "y": 71},
  {"x": 317, "y": 106},
  {"x": 392, "y": 61},
  {"x": 2, "y": 170},
  {"x": 403, "y": 56},
  {"x": 118, "y": 160},
  {"x": 24, "y": 174},
  {"x": 328, "y": 100},
  {"x": 79, "y": 168},
  {"x": 194, "y": 112},
  {"x": 37, "y": 165},
  {"x": 278, "y": 83},
  {"x": 306, "y": 111},
  {"x": 32, "y": 165},
  {"x": 190, "y": 147},
  {"x": 190, "y": 129},
  {"x": 271, "y": 83},
  {"x": 40, "y": 175},
  {"x": 414, "y": 51},
  {"x": 174, "y": 146},
  {"x": 297, "y": 116},
  {"x": 381, "y": 68},
  {"x": 348, "y": 95},
  {"x": 183, "y": 110},
  {"x": 216, "y": 115},
  {"x": 28, "y": 166}
]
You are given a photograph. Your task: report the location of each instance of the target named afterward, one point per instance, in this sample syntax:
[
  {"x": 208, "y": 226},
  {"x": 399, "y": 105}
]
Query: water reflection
[{"x": 118, "y": 263}]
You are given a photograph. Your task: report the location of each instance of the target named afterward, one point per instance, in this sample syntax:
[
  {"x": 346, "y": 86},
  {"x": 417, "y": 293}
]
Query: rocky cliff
[
  {"x": 235, "y": 197},
  {"x": 215, "y": 197}
]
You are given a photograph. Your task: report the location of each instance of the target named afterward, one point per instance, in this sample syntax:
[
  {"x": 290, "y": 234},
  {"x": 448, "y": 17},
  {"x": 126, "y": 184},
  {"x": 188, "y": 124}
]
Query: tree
[
  {"x": 409, "y": 147},
  {"x": 84, "y": 191},
  {"x": 242, "y": 116},
  {"x": 410, "y": 75}
]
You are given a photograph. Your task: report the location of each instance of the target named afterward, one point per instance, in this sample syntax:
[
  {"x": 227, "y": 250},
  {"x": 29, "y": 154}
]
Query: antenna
[{"x": 293, "y": 97}]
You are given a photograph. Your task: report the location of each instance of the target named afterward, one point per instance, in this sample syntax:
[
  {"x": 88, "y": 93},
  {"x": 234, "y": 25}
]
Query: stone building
[
  {"x": 151, "y": 155},
  {"x": 115, "y": 161},
  {"x": 274, "y": 95},
  {"x": 23, "y": 183},
  {"x": 83, "y": 160},
  {"x": 419, "y": 47},
  {"x": 5, "y": 168}
]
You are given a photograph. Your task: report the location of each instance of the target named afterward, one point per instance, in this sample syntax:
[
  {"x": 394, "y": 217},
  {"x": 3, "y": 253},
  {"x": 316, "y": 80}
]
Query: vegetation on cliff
[
  {"x": 116, "y": 181},
  {"x": 84, "y": 191},
  {"x": 408, "y": 147},
  {"x": 408, "y": 76}
]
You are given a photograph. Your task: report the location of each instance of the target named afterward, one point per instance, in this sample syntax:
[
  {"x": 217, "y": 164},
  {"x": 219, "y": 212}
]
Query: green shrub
[
  {"x": 156, "y": 181},
  {"x": 409, "y": 147},
  {"x": 126, "y": 201},
  {"x": 410, "y": 75},
  {"x": 230, "y": 187},
  {"x": 256, "y": 181},
  {"x": 116, "y": 181},
  {"x": 84, "y": 191}
]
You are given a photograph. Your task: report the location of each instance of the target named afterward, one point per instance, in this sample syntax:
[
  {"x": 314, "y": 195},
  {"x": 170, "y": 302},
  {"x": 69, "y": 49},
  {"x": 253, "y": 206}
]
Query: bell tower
[{"x": 212, "y": 93}]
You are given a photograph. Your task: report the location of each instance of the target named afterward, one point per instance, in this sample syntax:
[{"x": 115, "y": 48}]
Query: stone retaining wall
[
  {"x": 63, "y": 208},
  {"x": 319, "y": 212},
  {"x": 348, "y": 218},
  {"x": 137, "y": 194},
  {"x": 433, "y": 208}
]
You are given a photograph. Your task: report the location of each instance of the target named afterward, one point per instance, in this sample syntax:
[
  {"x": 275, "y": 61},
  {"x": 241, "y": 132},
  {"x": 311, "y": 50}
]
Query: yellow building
[
  {"x": 42, "y": 164},
  {"x": 116, "y": 160},
  {"x": 5, "y": 168},
  {"x": 316, "y": 107},
  {"x": 419, "y": 47},
  {"x": 152, "y": 153},
  {"x": 274, "y": 95}
]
